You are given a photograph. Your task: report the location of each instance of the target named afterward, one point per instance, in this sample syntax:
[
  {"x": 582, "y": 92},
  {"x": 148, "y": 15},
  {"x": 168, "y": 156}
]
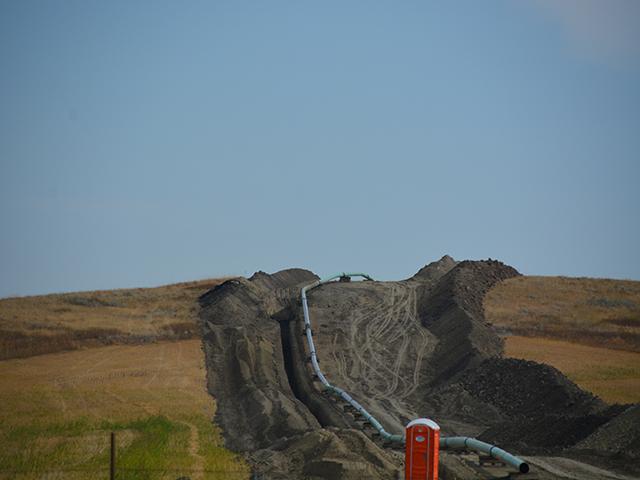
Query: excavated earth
[{"x": 414, "y": 348}]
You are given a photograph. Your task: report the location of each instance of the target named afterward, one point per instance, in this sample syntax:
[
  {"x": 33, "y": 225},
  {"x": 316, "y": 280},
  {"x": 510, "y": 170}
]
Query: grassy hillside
[
  {"x": 587, "y": 328},
  {"x": 598, "y": 312},
  {"x": 58, "y": 409},
  {"x": 613, "y": 375},
  {"x": 52, "y": 323}
]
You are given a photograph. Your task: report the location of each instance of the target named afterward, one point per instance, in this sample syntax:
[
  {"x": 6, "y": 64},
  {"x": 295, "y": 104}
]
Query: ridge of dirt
[
  {"x": 537, "y": 409},
  {"x": 618, "y": 438},
  {"x": 452, "y": 310},
  {"x": 465, "y": 286},
  {"x": 326, "y": 453},
  {"x": 520, "y": 387},
  {"x": 245, "y": 365},
  {"x": 435, "y": 270}
]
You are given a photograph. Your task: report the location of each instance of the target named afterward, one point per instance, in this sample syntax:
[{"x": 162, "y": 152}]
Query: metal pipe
[{"x": 486, "y": 448}]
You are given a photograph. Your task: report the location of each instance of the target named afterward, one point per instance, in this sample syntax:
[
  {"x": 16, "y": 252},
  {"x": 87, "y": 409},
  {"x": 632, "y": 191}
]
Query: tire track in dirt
[
  {"x": 397, "y": 320},
  {"x": 379, "y": 320},
  {"x": 380, "y": 331},
  {"x": 405, "y": 339}
]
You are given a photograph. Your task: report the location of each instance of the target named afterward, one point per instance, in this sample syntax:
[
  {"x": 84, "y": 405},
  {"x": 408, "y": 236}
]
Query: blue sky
[{"x": 151, "y": 142}]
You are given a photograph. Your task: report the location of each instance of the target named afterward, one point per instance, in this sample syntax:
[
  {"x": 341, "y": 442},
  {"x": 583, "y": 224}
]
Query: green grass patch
[
  {"x": 157, "y": 451},
  {"x": 58, "y": 412},
  {"x": 147, "y": 448},
  {"x": 219, "y": 463}
]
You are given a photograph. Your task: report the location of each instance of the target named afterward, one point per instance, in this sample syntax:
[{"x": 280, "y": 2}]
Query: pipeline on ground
[{"x": 465, "y": 443}]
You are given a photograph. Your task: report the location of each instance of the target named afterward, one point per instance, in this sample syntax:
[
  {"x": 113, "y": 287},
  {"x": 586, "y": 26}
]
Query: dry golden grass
[
  {"x": 58, "y": 409},
  {"x": 52, "y": 323},
  {"x": 589, "y": 329},
  {"x": 613, "y": 375},
  {"x": 596, "y": 312}
]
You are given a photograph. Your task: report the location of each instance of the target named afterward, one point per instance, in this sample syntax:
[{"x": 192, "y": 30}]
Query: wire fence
[
  {"x": 113, "y": 471},
  {"x": 127, "y": 474},
  {"x": 151, "y": 474}
]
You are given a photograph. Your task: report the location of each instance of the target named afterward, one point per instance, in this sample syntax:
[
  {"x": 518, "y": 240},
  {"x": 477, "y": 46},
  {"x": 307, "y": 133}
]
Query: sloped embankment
[
  {"x": 246, "y": 373},
  {"x": 420, "y": 347}
]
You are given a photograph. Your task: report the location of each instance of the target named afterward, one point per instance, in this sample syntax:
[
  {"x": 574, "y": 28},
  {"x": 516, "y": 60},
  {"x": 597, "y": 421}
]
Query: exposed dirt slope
[
  {"x": 452, "y": 310},
  {"x": 246, "y": 372},
  {"x": 419, "y": 347},
  {"x": 621, "y": 436}
]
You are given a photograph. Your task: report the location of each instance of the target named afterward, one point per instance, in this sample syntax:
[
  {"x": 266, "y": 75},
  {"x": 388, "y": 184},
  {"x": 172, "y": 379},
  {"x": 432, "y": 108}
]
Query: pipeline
[
  {"x": 486, "y": 448},
  {"x": 445, "y": 442}
]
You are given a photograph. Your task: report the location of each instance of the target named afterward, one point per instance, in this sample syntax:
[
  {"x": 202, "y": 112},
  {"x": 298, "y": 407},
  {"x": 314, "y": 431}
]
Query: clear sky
[{"x": 149, "y": 142}]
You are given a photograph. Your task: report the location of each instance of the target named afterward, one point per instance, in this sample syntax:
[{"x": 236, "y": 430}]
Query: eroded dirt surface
[{"x": 415, "y": 348}]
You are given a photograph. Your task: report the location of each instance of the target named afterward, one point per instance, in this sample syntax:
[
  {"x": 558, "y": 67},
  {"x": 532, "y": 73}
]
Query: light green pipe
[{"x": 486, "y": 448}]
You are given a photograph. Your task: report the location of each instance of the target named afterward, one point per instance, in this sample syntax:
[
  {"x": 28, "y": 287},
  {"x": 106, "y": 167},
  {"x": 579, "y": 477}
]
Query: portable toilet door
[{"x": 421, "y": 450}]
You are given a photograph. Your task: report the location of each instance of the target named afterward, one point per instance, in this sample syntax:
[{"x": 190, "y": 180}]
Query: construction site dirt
[{"x": 414, "y": 348}]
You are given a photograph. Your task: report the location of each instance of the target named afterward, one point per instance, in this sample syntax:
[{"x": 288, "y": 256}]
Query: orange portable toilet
[{"x": 421, "y": 450}]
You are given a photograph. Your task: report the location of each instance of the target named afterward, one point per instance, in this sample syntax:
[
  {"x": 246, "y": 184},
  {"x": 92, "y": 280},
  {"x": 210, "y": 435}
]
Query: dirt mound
[
  {"x": 329, "y": 453},
  {"x": 246, "y": 373},
  {"x": 452, "y": 311},
  {"x": 465, "y": 286},
  {"x": 419, "y": 347},
  {"x": 283, "y": 279},
  {"x": 536, "y": 408},
  {"x": 523, "y": 388},
  {"x": 546, "y": 432},
  {"x": 620, "y": 436},
  {"x": 435, "y": 270}
]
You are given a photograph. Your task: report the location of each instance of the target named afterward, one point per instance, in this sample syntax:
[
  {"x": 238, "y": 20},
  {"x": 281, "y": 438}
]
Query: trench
[
  {"x": 300, "y": 379},
  {"x": 287, "y": 355}
]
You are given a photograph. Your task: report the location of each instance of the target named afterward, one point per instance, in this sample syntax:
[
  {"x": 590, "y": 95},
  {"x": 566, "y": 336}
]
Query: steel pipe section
[
  {"x": 445, "y": 442},
  {"x": 486, "y": 448}
]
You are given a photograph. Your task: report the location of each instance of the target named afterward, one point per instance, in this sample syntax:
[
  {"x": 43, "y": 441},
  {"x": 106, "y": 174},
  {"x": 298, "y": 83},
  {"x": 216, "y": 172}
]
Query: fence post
[{"x": 112, "y": 467}]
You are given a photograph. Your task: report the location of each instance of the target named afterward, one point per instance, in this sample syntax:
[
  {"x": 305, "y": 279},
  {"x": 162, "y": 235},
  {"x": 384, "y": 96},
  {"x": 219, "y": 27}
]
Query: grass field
[
  {"x": 613, "y": 375},
  {"x": 589, "y": 329},
  {"x": 52, "y": 323},
  {"x": 597, "y": 312},
  {"x": 58, "y": 410}
]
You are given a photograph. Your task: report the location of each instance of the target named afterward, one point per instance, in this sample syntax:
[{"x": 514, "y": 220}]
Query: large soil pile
[{"x": 408, "y": 349}]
